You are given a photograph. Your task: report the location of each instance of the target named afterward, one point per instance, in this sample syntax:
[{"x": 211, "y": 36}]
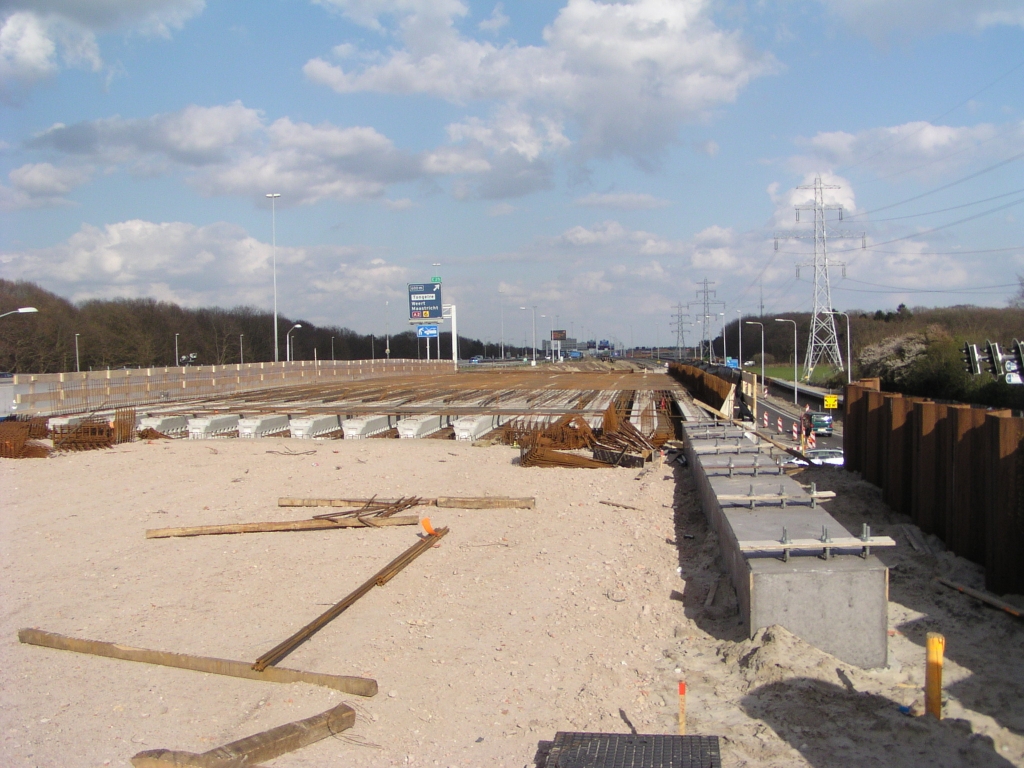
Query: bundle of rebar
[
  {"x": 87, "y": 435},
  {"x": 540, "y": 456},
  {"x": 13, "y": 437},
  {"x": 124, "y": 425},
  {"x": 375, "y": 509},
  {"x": 379, "y": 579}
]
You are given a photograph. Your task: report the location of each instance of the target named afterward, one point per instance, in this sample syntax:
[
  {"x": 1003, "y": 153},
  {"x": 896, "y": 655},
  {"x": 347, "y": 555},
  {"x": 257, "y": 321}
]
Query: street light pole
[
  {"x": 241, "y": 349},
  {"x": 534, "y": 310},
  {"x": 725, "y": 351},
  {"x": 849, "y": 359},
  {"x": 753, "y": 322},
  {"x": 783, "y": 320},
  {"x": 501, "y": 304},
  {"x": 273, "y": 229},
  {"x": 288, "y": 341},
  {"x": 20, "y": 311},
  {"x": 78, "y": 362},
  {"x": 436, "y": 278},
  {"x": 177, "y": 360},
  {"x": 387, "y": 330},
  {"x": 332, "y": 349},
  {"x": 739, "y": 327}
]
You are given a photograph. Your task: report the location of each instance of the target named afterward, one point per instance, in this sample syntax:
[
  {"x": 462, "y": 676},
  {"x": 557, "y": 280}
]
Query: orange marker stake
[
  {"x": 425, "y": 522},
  {"x": 682, "y": 708},
  {"x": 936, "y": 646}
]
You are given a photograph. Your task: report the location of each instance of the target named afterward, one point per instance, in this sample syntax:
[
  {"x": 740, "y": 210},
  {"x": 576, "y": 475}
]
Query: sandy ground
[{"x": 572, "y": 616}]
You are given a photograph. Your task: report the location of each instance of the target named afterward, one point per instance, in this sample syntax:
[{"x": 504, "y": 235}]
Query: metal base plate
[{"x": 624, "y": 750}]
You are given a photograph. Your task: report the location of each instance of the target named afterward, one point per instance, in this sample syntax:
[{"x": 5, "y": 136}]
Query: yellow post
[
  {"x": 682, "y": 708},
  {"x": 936, "y": 646}
]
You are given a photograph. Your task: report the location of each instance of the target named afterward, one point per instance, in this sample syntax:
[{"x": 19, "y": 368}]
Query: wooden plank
[
  {"x": 285, "y": 525},
  {"x": 359, "y": 686},
  {"x": 260, "y": 746},
  {"x": 485, "y": 502},
  {"x": 845, "y": 542},
  {"x": 452, "y": 502},
  {"x": 992, "y": 600}
]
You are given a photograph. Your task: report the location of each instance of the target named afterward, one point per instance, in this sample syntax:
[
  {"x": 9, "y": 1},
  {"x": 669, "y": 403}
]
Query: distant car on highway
[
  {"x": 832, "y": 457},
  {"x": 476, "y": 359}
]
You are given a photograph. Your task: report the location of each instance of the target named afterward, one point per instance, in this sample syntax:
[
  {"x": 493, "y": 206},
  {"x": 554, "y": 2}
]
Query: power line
[
  {"x": 929, "y": 253},
  {"x": 974, "y": 175},
  {"x": 952, "y": 208},
  {"x": 897, "y": 289}
]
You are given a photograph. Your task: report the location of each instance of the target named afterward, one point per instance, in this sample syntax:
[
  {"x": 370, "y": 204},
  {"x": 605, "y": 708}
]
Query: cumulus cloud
[
  {"x": 38, "y": 185},
  {"x": 219, "y": 264},
  {"x": 230, "y": 150},
  {"x": 625, "y": 76},
  {"x": 881, "y": 18},
  {"x": 625, "y": 201},
  {"x": 919, "y": 148},
  {"x": 38, "y": 37}
]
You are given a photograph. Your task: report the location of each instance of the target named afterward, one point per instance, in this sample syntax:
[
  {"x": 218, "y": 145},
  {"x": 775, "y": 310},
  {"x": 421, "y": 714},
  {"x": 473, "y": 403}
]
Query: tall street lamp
[
  {"x": 783, "y": 320},
  {"x": 753, "y": 322},
  {"x": 241, "y": 349},
  {"x": 849, "y": 360},
  {"x": 78, "y": 362},
  {"x": 20, "y": 311},
  {"x": 436, "y": 277},
  {"x": 534, "y": 310},
  {"x": 177, "y": 360},
  {"x": 273, "y": 229},
  {"x": 387, "y": 330},
  {"x": 725, "y": 351},
  {"x": 501, "y": 305},
  {"x": 739, "y": 327},
  {"x": 288, "y": 341}
]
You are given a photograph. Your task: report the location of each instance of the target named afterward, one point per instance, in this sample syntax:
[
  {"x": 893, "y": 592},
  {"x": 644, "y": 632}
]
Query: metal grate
[{"x": 623, "y": 750}]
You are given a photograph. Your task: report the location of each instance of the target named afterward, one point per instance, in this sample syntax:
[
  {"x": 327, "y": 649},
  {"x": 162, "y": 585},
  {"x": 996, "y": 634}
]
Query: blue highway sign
[
  {"x": 424, "y": 301},
  {"x": 426, "y": 331}
]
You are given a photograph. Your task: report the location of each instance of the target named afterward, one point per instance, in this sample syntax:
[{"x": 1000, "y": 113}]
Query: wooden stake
[
  {"x": 256, "y": 748},
  {"x": 936, "y": 646},
  {"x": 682, "y": 708},
  {"x": 286, "y": 525},
  {"x": 359, "y": 686}
]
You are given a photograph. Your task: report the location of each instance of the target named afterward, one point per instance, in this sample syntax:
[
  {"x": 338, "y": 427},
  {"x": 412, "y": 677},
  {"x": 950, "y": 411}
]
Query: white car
[{"x": 832, "y": 457}]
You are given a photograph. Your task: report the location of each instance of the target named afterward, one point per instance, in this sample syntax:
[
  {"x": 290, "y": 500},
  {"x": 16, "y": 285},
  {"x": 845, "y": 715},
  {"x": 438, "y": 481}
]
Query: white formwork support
[
  {"x": 207, "y": 427},
  {"x": 165, "y": 425},
  {"x": 307, "y": 427},
  {"x": 266, "y": 425},
  {"x": 475, "y": 427},
  {"x": 361, "y": 427},
  {"x": 413, "y": 427}
]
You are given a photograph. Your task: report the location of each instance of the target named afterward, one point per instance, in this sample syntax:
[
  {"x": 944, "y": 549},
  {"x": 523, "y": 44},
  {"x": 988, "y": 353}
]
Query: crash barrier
[
  {"x": 956, "y": 470},
  {"x": 790, "y": 562},
  {"x": 61, "y": 393}
]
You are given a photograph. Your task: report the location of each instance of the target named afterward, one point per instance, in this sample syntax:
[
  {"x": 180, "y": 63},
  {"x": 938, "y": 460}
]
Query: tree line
[{"x": 141, "y": 333}]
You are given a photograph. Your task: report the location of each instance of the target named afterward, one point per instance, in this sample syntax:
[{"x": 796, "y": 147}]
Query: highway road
[{"x": 836, "y": 441}]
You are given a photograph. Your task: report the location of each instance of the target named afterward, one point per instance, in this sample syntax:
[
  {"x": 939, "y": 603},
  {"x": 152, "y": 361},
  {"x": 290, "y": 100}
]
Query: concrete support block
[
  {"x": 207, "y": 427},
  {"x": 421, "y": 426},
  {"x": 263, "y": 426},
  {"x": 475, "y": 427},
  {"x": 362, "y": 427},
  {"x": 306, "y": 427}
]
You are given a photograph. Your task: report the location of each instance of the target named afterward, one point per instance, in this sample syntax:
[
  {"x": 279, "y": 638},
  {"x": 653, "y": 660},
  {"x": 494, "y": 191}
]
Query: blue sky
[{"x": 596, "y": 160}]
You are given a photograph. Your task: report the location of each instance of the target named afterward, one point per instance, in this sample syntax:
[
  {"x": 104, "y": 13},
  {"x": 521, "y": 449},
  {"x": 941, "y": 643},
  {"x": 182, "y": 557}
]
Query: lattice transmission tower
[
  {"x": 680, "y": 330},
  {"x": 705, "y": 301},
  {"x": 823, "y": 341}
]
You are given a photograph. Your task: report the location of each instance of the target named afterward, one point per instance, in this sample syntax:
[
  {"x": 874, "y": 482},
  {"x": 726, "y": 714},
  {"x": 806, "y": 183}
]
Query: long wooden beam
[
  {"x": 359, "y": 686},
  {"x": 451, "y": 502},
  {"x": 253, "y": 749},
  {"x": 285, "y": 525}
]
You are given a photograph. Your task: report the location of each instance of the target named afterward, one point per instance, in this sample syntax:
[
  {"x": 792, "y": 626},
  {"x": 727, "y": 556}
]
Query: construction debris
[
  {"x": 379, "y": 579},
  {"x": 91, "y": 433},
  {"x": 537, "y": 456},
  {"x": 995, "y": 602},
  {"x": 358, "y": 686},
  {"x": 258, "y": 747},
  {"x": 16, "y": 442},
  {"x": 274, "y": 527}
]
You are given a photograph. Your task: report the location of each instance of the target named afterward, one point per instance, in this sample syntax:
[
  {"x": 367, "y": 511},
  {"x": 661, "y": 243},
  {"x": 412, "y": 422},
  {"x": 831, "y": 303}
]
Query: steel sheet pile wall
[
  {"x": 958, "y": 471},
  {"x": 838, "y": 604},
  {"x": 702, "y": 385}
]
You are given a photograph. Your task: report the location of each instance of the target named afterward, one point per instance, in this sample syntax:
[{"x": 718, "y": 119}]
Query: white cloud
[
  {"x": 626, "y": 201},
  {"x": 626, "y": 76},
  {"x": 37, "y": 37},
  {"x": 229, "y": 150},
  {"x": 501, "y": 209},
  {"x": 37, "y": 185},
  {"x": 219, "y": 265},
  {"x": 495, "y": 21},
  {"x": 880, "y": 19},
  {"x": 919, "y": 148}
]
